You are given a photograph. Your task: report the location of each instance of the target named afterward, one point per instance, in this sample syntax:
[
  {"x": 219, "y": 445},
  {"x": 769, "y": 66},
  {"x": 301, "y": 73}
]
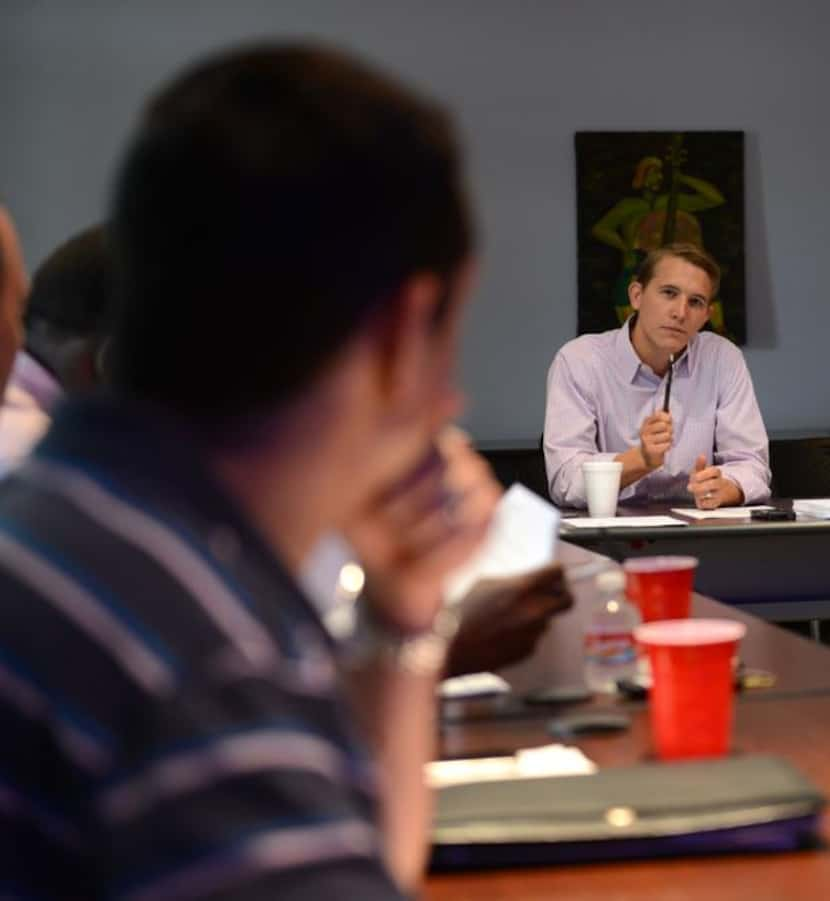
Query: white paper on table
[
  {"x": 613, "y": 522},
  {"x": 720, "y": 512},
  {"x": 473, "y": 685},
  {"x": 522, "y": 537},
  {"x": 528, "y": 763},
  {"x": 817, "y": 507}
]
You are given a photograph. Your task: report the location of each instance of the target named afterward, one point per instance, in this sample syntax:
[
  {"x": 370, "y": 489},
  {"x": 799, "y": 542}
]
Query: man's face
[
  {"x": 654, "y": 178},
  {"x": 672, "y": 308}
]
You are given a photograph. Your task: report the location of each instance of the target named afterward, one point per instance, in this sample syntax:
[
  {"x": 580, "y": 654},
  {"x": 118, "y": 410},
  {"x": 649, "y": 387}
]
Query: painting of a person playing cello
[{"x": 641, "y": 190}]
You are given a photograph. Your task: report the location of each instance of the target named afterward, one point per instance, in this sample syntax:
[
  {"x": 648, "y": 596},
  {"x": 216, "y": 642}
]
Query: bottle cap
[{"x": 611, "y": 580}]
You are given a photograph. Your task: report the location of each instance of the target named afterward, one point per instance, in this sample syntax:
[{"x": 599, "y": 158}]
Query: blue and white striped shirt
[{"x": 171, "y": 722}]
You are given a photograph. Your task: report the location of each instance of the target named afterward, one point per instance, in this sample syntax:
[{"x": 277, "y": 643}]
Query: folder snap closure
[{"x": 620, "y": 817}]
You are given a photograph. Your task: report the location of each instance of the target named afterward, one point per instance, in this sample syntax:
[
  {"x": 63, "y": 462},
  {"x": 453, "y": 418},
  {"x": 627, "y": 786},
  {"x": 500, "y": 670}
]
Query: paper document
[
  {"x": 522, "y": 538},
  {"x": 529, "y": 763},
  {"x": 818, "y": 507},
  {"x": 615, "y": 522},
  {"x": 720, "y": 513}
]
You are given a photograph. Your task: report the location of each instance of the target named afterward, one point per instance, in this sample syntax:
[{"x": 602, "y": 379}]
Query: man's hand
[
  {"x": 710, "y": 489},
  {"x": 426, "y": 526},
  {"x": 656, "y": 435},
  {"x": 655, "y": 440},
  {"x": 503, "y": 619},
  {"x": 408, "y": 540}
]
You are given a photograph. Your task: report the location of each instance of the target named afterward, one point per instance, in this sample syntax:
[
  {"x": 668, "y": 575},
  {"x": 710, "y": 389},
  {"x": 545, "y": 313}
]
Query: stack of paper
[
  {"x": 624, "y": 522},
  {"x": 720, "y": 512},
  {"x": 818, "y": 507}
]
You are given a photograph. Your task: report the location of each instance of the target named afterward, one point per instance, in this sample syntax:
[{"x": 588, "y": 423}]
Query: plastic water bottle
[{"x": 610, "y": 650}]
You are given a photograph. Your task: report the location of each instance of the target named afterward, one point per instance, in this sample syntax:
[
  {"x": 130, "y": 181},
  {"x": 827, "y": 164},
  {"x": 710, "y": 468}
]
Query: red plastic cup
[
  {"x": 660, "y": 586},
  {"x": 692, "y": 684}
]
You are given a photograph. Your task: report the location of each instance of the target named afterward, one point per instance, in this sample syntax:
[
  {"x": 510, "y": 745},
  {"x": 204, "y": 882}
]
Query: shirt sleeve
[
  {"x": 741, "y": 444},
  {"x": 570, "y": 436}
]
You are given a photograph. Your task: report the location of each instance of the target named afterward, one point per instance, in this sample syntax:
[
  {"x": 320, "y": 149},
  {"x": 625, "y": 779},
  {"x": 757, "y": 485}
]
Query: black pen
[{"x": 667, "y": 396}]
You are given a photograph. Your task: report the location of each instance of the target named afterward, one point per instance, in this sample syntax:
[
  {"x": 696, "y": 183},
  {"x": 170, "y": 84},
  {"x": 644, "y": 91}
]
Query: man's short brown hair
[{"x": 691, "y": 253}]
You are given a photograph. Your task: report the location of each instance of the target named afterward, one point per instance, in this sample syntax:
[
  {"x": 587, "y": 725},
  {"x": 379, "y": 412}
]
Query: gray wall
[{"x": 523, "y": 76}]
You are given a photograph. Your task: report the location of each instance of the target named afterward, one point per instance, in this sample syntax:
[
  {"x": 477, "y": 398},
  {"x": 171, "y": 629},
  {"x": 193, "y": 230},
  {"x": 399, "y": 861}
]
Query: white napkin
[
  {"x": 473, "y": 685},
  {"x": 527, "y": 763}
]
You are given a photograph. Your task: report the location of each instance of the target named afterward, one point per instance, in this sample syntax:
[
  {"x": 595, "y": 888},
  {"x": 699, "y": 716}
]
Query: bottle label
[{"x": 610, "y": 648}]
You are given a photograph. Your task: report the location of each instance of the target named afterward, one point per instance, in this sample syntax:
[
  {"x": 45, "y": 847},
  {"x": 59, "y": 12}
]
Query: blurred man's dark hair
[{"x": 270, "y": 203}]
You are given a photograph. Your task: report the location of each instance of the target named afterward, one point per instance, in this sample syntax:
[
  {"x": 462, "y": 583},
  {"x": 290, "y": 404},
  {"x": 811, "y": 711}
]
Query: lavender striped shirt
[{"x": 599, "y": 393}]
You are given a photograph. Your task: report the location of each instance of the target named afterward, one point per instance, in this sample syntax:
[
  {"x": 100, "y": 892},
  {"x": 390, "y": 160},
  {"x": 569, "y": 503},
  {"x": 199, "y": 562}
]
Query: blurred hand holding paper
[{"x": 522, "y": 538}]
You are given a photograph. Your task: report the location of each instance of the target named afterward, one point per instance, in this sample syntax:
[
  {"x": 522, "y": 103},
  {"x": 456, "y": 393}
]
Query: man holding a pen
[{"x": 675, "y": 406}]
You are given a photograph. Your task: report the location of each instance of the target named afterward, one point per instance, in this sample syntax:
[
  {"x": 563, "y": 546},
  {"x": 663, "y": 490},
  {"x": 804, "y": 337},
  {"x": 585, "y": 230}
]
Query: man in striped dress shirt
[
  {"x": 606, "y": 395},
  {"x": 293, "y": 249}
]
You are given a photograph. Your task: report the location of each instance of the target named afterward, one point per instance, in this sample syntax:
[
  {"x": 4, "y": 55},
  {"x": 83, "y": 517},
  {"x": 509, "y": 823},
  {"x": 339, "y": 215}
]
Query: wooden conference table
[
  {"x": 791, "y": 719},
  {"x": 777, "y": 570}
]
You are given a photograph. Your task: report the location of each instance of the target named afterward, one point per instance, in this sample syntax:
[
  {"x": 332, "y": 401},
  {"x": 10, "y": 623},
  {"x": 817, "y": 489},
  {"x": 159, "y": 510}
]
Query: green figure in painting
[{"x": 636, "y": 225}]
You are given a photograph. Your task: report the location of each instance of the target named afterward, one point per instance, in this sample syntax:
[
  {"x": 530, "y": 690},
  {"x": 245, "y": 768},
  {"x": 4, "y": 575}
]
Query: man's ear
[
  {"x": 404, "y": 335},
  {"x": 635, "y": 293}
]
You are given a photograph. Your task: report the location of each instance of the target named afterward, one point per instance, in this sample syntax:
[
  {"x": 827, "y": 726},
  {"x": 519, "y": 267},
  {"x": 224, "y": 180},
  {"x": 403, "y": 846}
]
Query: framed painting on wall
[{"x": 639, "y": 190}]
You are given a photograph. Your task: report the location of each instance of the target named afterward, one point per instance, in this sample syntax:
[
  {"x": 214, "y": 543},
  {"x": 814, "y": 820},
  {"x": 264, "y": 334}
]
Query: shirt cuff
[{"x": 755, "y": 488}]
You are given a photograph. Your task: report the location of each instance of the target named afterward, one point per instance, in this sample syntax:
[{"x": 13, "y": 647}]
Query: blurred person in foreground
[
  {"x": 293, "y": 251},
  {"x": 66, "y": 325},
  {"x": 66, "y": 352}
]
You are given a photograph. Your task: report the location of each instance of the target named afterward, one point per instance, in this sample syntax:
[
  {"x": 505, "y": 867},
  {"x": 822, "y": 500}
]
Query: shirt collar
[
  {"x": 628, "y": 362},
  {"x": 35, "y": 379},
  {"x": 687, "y": 361}
]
